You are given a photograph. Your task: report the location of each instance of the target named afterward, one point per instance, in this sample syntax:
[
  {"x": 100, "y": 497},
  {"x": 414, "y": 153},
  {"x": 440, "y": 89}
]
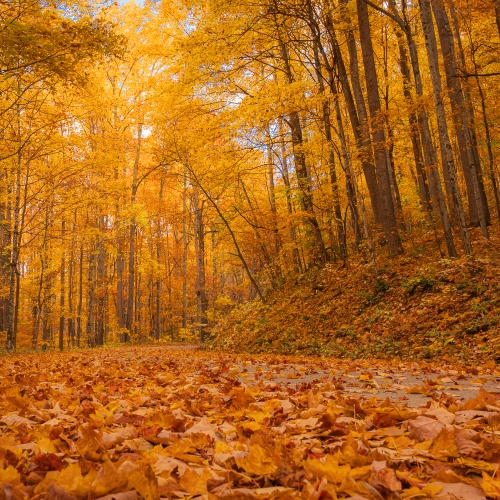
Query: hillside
[{"x": 416, "y": 308}]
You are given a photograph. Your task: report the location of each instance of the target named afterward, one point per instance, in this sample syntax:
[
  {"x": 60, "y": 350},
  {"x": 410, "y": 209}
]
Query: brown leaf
[
  {"x": 48, "y": 461},
  {"x": 424, "y": 428},
  {"x": 57, "y": 493},
  {"x": 384, "y": 479},
  {"x": 466, "y": 446}
]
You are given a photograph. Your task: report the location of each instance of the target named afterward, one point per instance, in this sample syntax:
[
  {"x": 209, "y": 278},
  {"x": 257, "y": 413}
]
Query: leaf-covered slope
[{"x": 413, "y": 309}]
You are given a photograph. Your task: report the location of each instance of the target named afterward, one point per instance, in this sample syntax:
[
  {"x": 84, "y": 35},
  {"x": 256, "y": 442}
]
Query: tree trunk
[
  {"x": 201, "y": 292},
  {"x": 80, "y": 300},
  {"x": 297, "y": 264},
  {"x": 351, "y": 179},
  {"x": 423, "y": 186},
  {"x": 101, "y": 292},
  {"x": 356, "y": 108},
  {"x": 14, "y": 257},
  {"x": 272, "y": 204},
  {"x": 91, "y": 289},
  {"x": 444, "y": 139},
  {"x": 303, "y": 179},
  {"x": 62, "y": 318},
  {"x": 185, "y": 244},
  {"x": 378, "y": 134},
  {"x": 466, "y": 87},
  {"x": 391, "y": 167},
  {"x": 71, "y": 319},
  {"x": 478, "y": 211},
  {"x": 157, "y": 323},
  {"x": 132, "y": 229},
  {"x": 325, "y": 108}
]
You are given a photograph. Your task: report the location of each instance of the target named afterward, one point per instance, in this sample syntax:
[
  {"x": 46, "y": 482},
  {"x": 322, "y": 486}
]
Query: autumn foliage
[{"x": 163, "y": 163}]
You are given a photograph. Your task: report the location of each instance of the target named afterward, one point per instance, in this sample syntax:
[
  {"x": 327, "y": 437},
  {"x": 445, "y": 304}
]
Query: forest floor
[
  {"x": 163, "y": 421},
  {"x": 417, "y": 307}
]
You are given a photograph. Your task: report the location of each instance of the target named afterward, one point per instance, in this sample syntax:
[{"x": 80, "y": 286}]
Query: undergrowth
[{"x": 415, "y": 308}]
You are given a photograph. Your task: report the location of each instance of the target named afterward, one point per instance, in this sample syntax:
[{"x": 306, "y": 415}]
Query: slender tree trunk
[
  {"x": 391, "y": 167},
  {"x": 132, "y": 230},
  {"x": 119, "y": 291},
  {"x": 101, "y": 292},
  {"x": 444, "y": 139},
  {"x": 233, "y": 236},
  {"x": 91, "y": 289},
  {"x": 356, "y": 107},
  {"x": 297, "y": 264},
  {"x": 423, "y": 186},
  {"x": 201, "y": 292},
  {"x": 272, "y": 204},
  {"x": 378, "y": 134},
  {"x": 80, "y": 299},
  {"x": 14, "y": 256},
  {"x": 157, "y": 325},
  {"x": 351, "y": 178},
  {"x": 39, "y": 303},
  {"x": 303, "y": 179},
  {"x": 71, "y": 319},
  {"x": 478, "y": 211},
  {"x": 325, "y": 108},
  {"x": 185, "y": 244},
  {"x": 62, "y": 318}
]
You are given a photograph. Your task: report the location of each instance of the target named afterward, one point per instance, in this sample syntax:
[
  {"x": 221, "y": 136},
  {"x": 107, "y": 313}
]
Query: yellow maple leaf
[
  {"x": 70, "y": 479},
  {"x": 327, "y": 467},
  {"x": 444, "y": 444},
  {"x": 258, "y": 461},
  {"x": 432, "y": 489},
  {"x": 45, "y": 445},
  {"x": 193, "y": 483},
  {"x": 490, "y": 486},
  {"x": 107, "y": 480},
  {"x": 144, "y": 481},
  {"x": 10, "y": 475},
  {"x": 477, "y": 464},
  {"x": 258, "y": 416},
  {"x": 250, "y": 426}
]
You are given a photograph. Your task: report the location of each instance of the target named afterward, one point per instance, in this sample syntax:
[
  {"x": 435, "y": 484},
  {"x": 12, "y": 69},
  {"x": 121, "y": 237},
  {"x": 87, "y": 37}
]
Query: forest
[
  {"x": 249, "y": 249},
  {"x": 164, "y": 163}
]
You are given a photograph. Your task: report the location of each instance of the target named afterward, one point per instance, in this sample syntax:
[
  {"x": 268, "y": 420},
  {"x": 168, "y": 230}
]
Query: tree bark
[
  {"x": 356, "y": 108},
  {"x": 14, "y": 256},
  {"x": 325, "y": 108},
  {"x": 478, "y": 211},
  {"x": 444, "y": 138},
  {"x": 62, "y": 318},
  {"x": 132, "y": 230},
  {"x": 201, "y": 292},
  {"x": 378, "y": 134},
  {"x": 185, "y": 244},
  {"x": 303, "y": 178}
]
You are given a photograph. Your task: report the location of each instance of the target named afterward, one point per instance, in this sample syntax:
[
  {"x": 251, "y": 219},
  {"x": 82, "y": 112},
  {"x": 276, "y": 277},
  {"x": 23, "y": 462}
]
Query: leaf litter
[{"x": 152, "y": 422}]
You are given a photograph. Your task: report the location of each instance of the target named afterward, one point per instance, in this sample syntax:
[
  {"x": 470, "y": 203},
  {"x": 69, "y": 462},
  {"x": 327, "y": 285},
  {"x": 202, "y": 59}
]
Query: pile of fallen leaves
[
  {"x": 151, "y": 422},
  {"x": 415, "y": 308}
]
